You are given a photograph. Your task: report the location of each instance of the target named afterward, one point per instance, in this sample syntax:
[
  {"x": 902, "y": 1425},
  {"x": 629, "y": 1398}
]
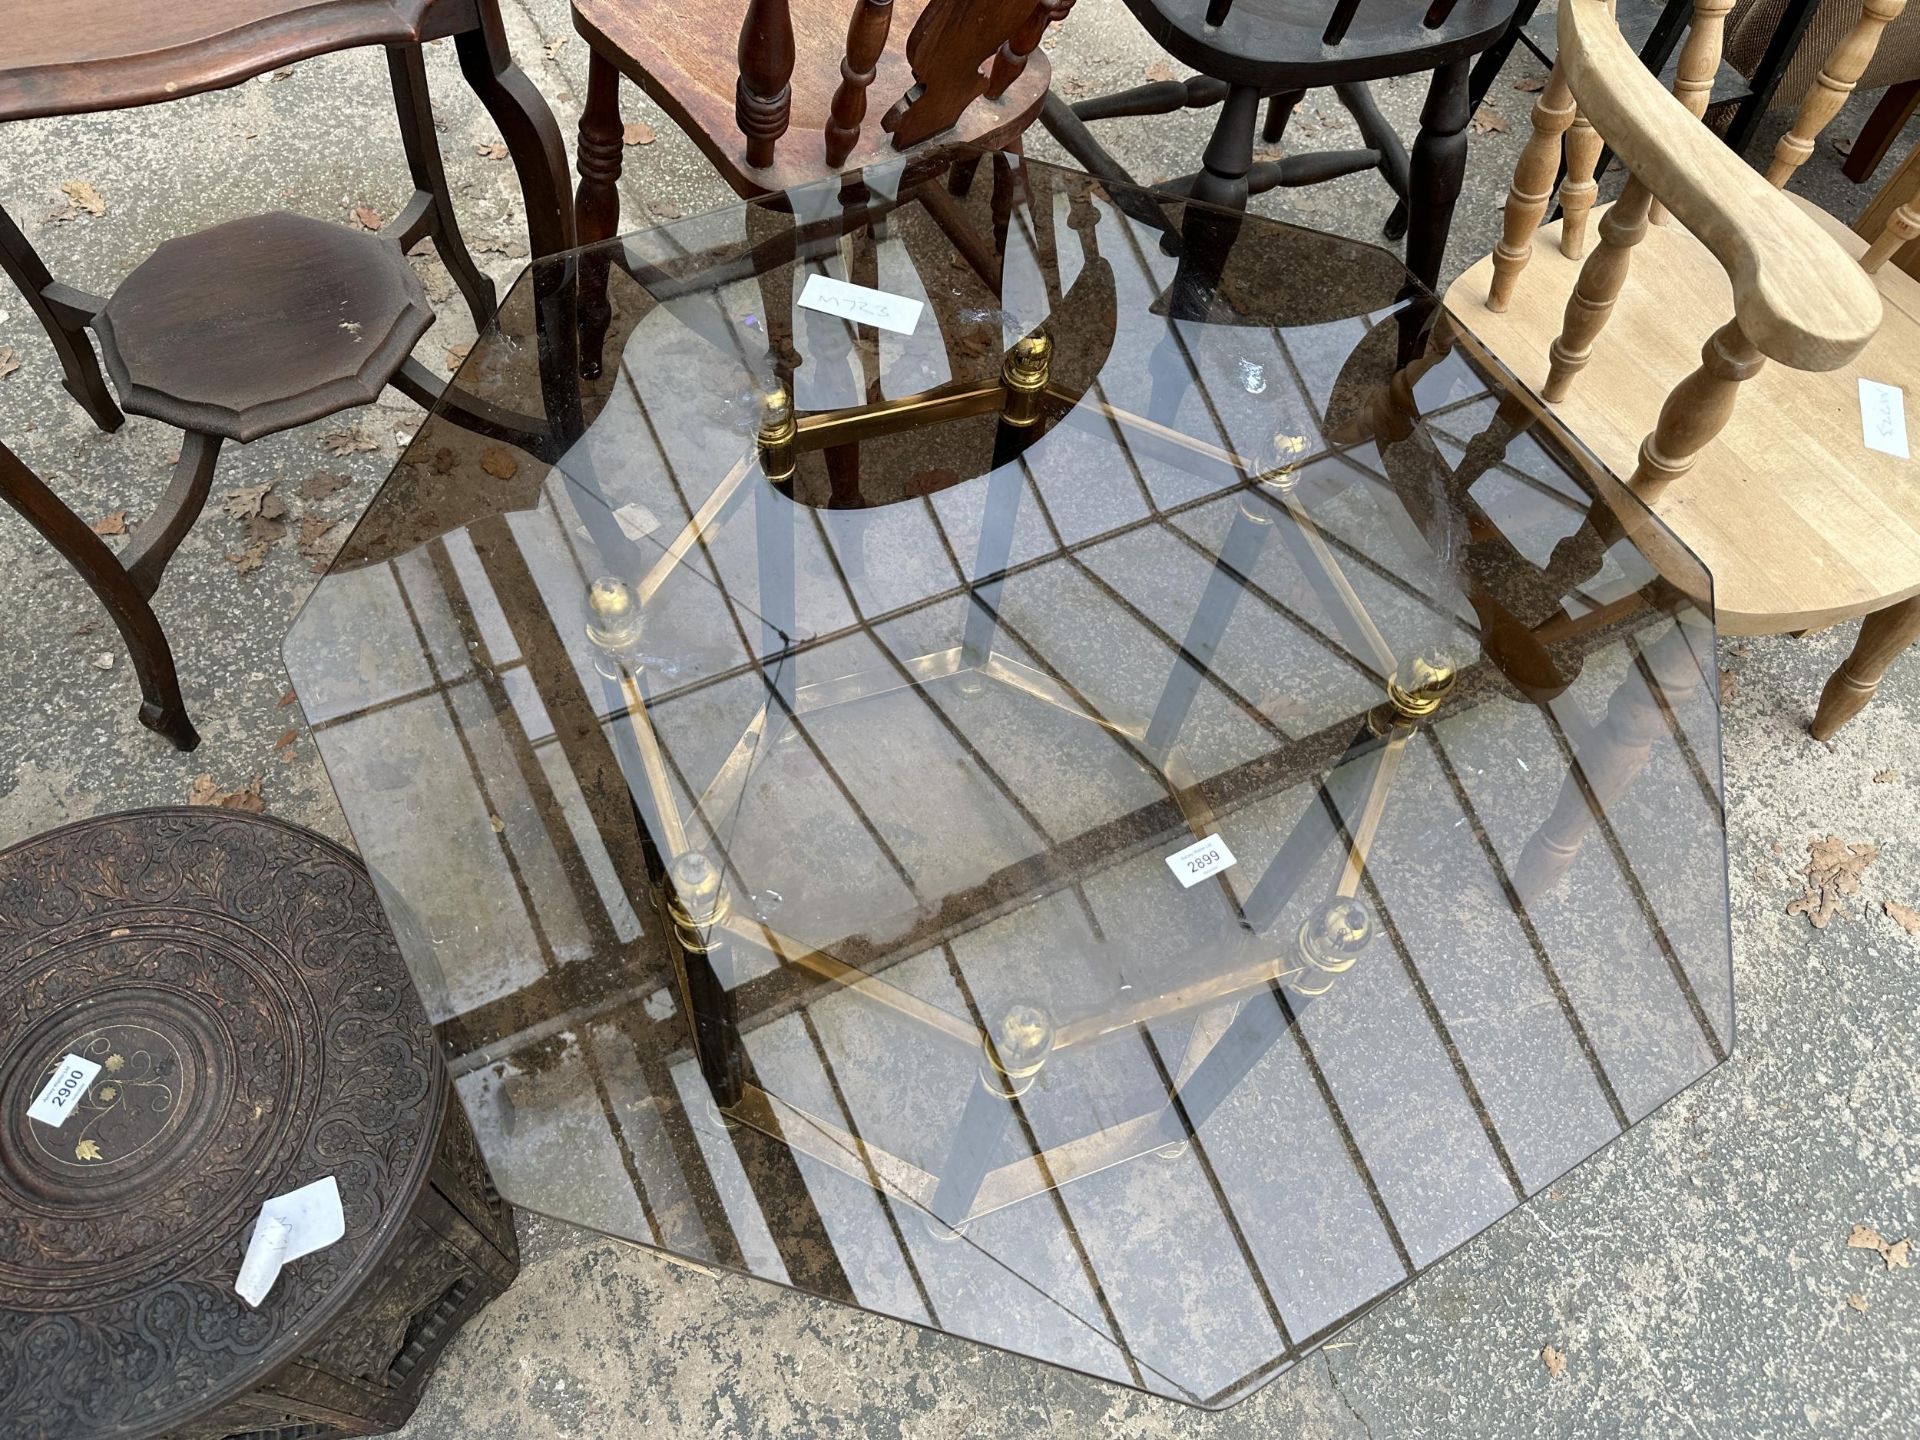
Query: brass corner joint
[
  {"x": 778, "y": 431},
  {"x": 1330, "y": 940},
  {"x": 697, "y": 900},
  {"x": 1015, "y": 1049},
  {"x": 1418, "y": 687},
  {"x": 613, "y": 614},
  {"x": 1023, "y": 376}
]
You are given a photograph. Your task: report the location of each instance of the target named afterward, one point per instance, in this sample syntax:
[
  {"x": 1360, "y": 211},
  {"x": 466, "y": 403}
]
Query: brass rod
[
  {"x": 1372, "y": 811},
  {"x": 705, "y": 518},
  {"x": 868, "y": 422},
  {"x": 655, "y": 766}
]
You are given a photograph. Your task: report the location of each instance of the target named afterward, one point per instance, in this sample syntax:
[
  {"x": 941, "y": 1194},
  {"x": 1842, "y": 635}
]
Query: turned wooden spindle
[
  {"x": 1696, "y": 411},
  {"x": 1012, "y": 58},
  {"x": 866, "y": 38},
  {"x": 1580, "y": 188},
  {"x": 1699, "y": 63},
  {"x": 1902, "y": 226},
  {"x": 1830, "y": 89},
  {"x": 1883, "y": 636},
  {"x": 763, "y": 97},
  {"x": 1532, "y": 185},
  {"x": 1601, "y": 280}
]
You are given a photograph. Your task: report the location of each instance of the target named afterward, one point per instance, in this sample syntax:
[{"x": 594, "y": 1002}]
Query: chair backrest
[
  {"x": 947, "y": 50},
  {"x": 1794, "y": 298}
]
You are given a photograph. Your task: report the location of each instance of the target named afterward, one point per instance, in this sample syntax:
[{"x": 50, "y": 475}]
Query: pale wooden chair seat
[
  {"x": 1788, "y": 477},
  {"x": 683, "y": 55}
]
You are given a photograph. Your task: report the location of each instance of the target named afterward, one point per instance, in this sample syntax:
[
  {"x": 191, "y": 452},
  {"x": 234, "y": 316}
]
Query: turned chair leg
[
  {"x": 597, "y": 203},
  {"x": 1436, "y": 170},
  {"x": 1883, "y": 636},
  {"x": 162, "y": 708}
]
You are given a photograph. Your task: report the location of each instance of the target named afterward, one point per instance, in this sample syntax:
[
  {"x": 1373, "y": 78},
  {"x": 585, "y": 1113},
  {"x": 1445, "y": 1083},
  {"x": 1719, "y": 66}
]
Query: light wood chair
[{"x": 1761, "y": 470}]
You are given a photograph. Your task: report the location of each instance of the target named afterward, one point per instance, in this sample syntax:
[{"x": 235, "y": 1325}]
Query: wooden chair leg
[
  {"x": 407, "y": 68},
  {"x": 1435, "y": 171},
  {"x": 527, "y": 126},
  {"x": 161, "y": 709},
  {"x": 597, "y": 203},
  {"x": 1883, "y": 127},
  {"x": 160, "y": 534},
  {"x": 83, "y": 380},
  {"x": 1532, "y": 186},
  {"x": 1279, "y": 111},
  {"x": 1883, "y": 636}
]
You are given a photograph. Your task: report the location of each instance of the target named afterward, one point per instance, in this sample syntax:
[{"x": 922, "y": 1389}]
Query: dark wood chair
[
  {"x": 263, "y": 323},
  {"x": 776, "y": 92},
  {"x": 1250, "y": 50}
]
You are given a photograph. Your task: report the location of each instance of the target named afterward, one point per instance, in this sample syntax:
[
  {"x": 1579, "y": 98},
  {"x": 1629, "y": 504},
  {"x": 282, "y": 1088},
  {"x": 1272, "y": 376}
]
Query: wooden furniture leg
[
  {"x": 597, "y": 203},
  {"x": 407, "y": 68},
  {"x": 527, "y": 126},
  {"x": 1883, "y": 636},
  {"x": 1533, "y": 181},
  {"x": 1436, "y": 170},
  {"x": 161, "y": 707},
  {"x": 1599, "y": 286},
  {"x": 83, "y": 380},
  {"x": 1883, "y": 127}
]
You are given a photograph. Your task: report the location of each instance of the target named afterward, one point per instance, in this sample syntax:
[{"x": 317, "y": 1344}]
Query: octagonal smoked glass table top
[{"x": 1081, "y": 772}]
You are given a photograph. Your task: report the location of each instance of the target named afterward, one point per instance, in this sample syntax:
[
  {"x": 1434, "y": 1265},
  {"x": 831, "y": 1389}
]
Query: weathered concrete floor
[{"x": 1695, "y": 1274}]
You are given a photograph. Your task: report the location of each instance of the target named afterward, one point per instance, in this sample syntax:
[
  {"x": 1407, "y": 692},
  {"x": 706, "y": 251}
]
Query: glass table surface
[{"x": 1081, "y": 771}]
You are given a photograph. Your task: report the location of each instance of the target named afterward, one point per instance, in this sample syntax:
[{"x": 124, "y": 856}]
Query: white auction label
[
  {"x": 857, "y": 303},
  {"x": 1199, "y": 860},
  {"x": 1883, "y": 418},
  {"x": 290, "y": 1226},
  {"x": 58, "y": 1096}
]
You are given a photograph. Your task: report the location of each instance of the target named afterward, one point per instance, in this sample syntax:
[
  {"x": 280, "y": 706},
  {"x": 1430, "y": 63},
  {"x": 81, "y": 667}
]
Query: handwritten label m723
[
  {"x": 59, "y": 1095},
  {"x": 860, "y": 304}
]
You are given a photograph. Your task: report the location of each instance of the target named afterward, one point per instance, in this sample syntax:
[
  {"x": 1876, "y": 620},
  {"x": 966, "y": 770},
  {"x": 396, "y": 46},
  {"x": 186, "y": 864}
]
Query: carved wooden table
[{"x": 235, "y": 979}]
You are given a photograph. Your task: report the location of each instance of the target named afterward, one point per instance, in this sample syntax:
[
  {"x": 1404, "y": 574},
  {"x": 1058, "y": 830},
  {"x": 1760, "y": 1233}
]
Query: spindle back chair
[
  {"x": 780, "y": 93},
  {"x": 1773, "y": 475}
]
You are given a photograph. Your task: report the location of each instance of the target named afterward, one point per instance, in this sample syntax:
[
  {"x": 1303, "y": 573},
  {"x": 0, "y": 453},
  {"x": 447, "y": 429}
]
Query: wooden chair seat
[
  {"x": 686, "y": 62},
  {"x": 1259, "y": 36},
  {"x": 60, "y": 58},
  {"x": 1789, "y": 476},
  {"x": 261, "y": 324}
]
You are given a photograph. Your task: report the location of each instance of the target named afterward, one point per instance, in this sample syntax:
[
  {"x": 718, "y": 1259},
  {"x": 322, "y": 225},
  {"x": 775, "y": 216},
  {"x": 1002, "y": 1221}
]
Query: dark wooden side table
[{"x": 236, "y": 981}]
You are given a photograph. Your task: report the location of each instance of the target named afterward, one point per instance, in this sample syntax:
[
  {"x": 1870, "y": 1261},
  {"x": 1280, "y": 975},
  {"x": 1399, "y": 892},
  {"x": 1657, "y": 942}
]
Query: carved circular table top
[{"x": 235, "y": 980}]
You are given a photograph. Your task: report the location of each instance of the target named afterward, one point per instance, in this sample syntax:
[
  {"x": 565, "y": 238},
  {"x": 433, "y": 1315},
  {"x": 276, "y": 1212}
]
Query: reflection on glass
[{"x": 1122, "y": 824}]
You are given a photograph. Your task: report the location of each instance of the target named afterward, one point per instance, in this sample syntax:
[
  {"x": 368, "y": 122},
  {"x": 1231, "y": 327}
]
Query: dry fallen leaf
[
  {"x": 457, "y": 353},
  {"x": 1729, "y": 685},
  {"x": 1555, "y": 1362},
  {"x": 1158, "y": 71},
  {"x": 1895, "y": 1255},
  {"x": 554, "y": 47},
  {"x": 114, "y": 522},
  {"x": 204, "y": 792},
  {"x": 444, "y": 460},
  {"x": 367, "y": 218},
  {"x": 638, "y": 133},
  {"x": 346, "y": 442},
  {"x": 1842, "y": 145},
  {"x": 283, "y": 747},
  {"x": 1885, "y": 777},
  {"x": 1905, "y": 916},
  {"x": 1489, "y": 121},
  {"x": 321, "y": 484},
  {"x": 254, "y": 500},
  {"x": 246, "y": 561},
  {"x": 82, "y": 193},
  {"x": 287, "y": 699},
  {"x": 1532, "y": 85},
  {"x": 1857, "y": 1301},
  {"x": 493, "y": 151},
  {"x": 498, "y": 463},
  {"x": 315, "y": 543},
  {"x": 1833, "y": 870},
  {"x": 9, "y": 361}
]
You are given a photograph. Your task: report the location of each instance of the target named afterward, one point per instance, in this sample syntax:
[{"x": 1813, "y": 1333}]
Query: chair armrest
[{"x": 1798, "y": 296}]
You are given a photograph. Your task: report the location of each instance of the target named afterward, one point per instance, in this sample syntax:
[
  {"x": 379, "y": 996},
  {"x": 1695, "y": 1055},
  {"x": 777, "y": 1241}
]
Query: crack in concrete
[{"x": 1352, "y": 1409}]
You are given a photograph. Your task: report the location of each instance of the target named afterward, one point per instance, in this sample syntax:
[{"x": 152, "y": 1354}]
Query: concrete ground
[{"x": 1695, "y": 1275}]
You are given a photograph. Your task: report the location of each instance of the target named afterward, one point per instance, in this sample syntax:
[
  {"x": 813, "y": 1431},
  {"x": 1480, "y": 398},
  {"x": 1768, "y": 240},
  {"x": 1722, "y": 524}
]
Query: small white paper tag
[
  {"x": 290, "y": 1225},
  {"x": 1883, "y": 418},
  {"x": 58, "y": 1096},
  {"x": 861, "y": 305},
  {"x": 1199, "y": 860},
  {"x": 636, "y": 521}
]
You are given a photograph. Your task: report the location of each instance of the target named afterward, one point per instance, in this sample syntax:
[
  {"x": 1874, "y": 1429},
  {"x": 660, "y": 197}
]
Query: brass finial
[
  {"x": 778, "y": 430},
  {"x": 699, "y": 900},
  {"x": 1417, "y": 687},
  {"x": 1017, "y": 1047},
  {"x": 1024, "y": 375},
  {"x": 1331, "y": 939},
  {"x": 614, "y": 614}
]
